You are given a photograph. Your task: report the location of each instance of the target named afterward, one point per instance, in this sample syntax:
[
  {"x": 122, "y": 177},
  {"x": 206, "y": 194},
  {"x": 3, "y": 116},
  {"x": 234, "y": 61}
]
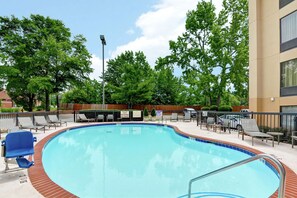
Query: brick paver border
[{"x": 46, "y": 187}]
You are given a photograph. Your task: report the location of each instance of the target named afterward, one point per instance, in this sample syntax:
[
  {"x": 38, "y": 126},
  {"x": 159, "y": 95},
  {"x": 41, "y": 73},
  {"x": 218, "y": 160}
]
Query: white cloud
[{"x": 165, "y": 22}]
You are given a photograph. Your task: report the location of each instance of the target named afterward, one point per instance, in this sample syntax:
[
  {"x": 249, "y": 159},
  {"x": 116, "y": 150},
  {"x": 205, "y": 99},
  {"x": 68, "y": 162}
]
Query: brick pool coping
[{"x": 47, "y": 188}]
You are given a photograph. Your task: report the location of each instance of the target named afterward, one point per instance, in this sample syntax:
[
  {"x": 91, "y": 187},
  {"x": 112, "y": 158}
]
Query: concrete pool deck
[{"x": 18, "y": 184}]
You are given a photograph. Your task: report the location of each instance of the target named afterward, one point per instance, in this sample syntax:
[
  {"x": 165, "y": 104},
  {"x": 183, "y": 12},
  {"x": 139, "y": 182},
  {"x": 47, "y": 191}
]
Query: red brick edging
[{"x": 46, "y": 187}]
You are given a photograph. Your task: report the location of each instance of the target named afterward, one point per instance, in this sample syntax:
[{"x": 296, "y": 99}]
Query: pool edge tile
[{"x": 47, "y": 188}]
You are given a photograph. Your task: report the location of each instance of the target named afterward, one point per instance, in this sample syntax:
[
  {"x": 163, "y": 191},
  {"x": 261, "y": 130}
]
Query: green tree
[
  {"x": 39, "y": 58},
  {"x": 89, "y": 92},
  {"x": 167, "y": 86},
  {"x": 129, "y": 79},
  {"x": 213, "y": 51}
]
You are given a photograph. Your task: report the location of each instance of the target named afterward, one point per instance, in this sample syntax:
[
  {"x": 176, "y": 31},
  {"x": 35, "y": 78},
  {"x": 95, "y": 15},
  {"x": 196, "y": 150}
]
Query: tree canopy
[
  {"x": 129, "y": 79},
  {"x": 38, "y": 57},
  {"x": 213, "y": 51}
]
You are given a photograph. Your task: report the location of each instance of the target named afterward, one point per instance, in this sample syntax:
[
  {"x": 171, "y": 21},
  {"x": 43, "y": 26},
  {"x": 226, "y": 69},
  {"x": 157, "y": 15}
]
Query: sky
[{"x": 137, "y": 25}]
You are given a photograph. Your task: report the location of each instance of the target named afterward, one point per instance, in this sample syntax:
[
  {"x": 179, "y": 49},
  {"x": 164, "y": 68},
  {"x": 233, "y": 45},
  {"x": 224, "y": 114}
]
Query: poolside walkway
[{"x": 17, "y": 184}]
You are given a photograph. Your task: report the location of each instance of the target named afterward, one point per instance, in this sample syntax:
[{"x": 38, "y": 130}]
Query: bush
[
  {"x": 225, "y": 108},
  {"x": 145, "y": 112},
  {"x": 264, "y": 129},
  {"x": 9, "y": 110},
  {"x": 213, "y": 108},
  {"x": 153, "y": 113},
  {"x": 205, "y": 108},
  {"x": 39, "y": 108}
]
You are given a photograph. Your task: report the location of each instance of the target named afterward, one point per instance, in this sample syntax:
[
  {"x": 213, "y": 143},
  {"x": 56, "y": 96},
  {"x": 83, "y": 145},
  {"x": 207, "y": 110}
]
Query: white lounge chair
[
  {"x": 8, "y": 125},
  {"x": 250, "y": 128},
  {"x": 27, "y": 123},
  {"x": 110, "y": 117},
  {"x": 83, "y": 118},
  {"x": 100, "y": 117},
  {"x": 41, "y": 121},
  {"x": 54, "y": 119},
  {"x": 187, "y": 116},
  {"x": 174, "y": 117}
]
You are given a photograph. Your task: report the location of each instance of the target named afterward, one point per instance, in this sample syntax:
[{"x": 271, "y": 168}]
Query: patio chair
[
  {"x": 124, "y": 116},
  {"x": 174, "y": 117},
  {"x": 26, "y": 123},
  {"x": 225, "y": 124},
  {"x": 210, "y": 122},
  {"x": 17, "y": 145},
  {"x": 83, "y": 118},
  {"x": 250, "y": 128},
  {"x": 294, "y": 137},
  {"x": 8, "y": 125},
  {"x": 187, "y": 117},
  {"x": 55, "y": 120},
  {"x": 41, "y": 121},
  {"x": 100, "y": 117},
  {"x": 110, "y": 117}
]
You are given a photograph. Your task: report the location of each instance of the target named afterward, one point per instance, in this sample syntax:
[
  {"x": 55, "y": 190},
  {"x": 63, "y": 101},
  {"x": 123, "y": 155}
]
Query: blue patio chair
[{"x": 17, "y": 145}]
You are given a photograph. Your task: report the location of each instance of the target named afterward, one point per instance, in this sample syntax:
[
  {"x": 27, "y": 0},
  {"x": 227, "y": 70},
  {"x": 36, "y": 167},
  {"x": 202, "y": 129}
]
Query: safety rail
[{"x": 282, "y": 172}]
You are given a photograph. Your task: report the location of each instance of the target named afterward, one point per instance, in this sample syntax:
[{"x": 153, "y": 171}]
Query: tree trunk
[
  {"x": 218, "y": 100},
  {"x": 47, "y": 104},
  {"x": 31, "y": 102}
]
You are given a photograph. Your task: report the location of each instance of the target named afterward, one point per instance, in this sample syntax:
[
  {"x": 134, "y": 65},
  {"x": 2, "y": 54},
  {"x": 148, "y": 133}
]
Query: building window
[
  {"x": 283, "y": 3},
  {"x": 289, "y": 32},
  {"x": 289, "y": 78}
]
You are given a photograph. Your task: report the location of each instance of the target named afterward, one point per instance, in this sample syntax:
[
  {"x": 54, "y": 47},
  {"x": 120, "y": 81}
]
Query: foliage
[
  {"x": 225, "y": 108},
  {"x": 89, "y": 92},
  {"x": 213, "y": 51},
  {"x": 213, "y": 108},
  {"x": 145, "y": 112},
  {"x": 10, "y": 110},
  {"x": 167, "y": 86},
  {"x": 153, "y": 113},
  {"x": 134, "y": 83},
  {"x": 205, "y": 108},
  {"x": 39, "y": 58}
]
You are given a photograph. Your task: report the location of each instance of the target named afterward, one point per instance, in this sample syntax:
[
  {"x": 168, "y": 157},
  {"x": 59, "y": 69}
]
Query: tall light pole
[{"x": 103, "y": 41}]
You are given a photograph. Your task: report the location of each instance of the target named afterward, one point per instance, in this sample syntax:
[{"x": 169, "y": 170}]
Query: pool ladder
[{"x": 281, "y": 170}]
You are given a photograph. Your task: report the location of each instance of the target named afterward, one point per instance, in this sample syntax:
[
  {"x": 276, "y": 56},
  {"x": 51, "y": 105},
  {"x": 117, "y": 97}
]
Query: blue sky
[{"x": 138, "y": 25}]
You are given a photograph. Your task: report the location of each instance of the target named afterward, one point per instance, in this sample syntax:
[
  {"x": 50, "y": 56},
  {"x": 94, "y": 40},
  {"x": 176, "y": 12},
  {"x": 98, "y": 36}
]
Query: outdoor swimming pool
[{"x": 140, "y": 160}]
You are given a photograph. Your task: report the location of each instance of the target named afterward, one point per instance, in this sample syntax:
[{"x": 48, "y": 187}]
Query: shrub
[
  {"x": 39, "y": 108},
  {"x": 264, "y": 129},
  {"x": 213, "y": 108},
  {"x": 153, "y": 113},
  {"x": 9, "y": 110},
  {"x": 205, "y": 108},
  {"x": 145, "y": 112},
  {"x": 225, "y": 108}
]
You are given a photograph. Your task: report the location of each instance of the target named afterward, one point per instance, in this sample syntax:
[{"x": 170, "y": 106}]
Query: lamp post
[{"x": 103, "y": 41}]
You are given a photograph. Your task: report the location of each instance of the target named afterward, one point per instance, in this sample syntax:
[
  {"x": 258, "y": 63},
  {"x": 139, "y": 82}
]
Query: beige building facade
[{"x": 273, "y": 55}]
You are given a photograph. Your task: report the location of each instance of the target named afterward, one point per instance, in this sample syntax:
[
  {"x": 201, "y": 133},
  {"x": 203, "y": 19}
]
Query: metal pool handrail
[{"x": 281, "y": 170}]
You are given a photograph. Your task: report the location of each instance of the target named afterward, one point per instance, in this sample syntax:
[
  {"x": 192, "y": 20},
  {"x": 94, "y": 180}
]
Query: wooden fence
[{"x": 165, "y": 108}]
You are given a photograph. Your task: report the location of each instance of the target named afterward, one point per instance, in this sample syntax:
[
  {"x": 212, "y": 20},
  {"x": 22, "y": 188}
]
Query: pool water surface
[{"x": 140, "y": 160}]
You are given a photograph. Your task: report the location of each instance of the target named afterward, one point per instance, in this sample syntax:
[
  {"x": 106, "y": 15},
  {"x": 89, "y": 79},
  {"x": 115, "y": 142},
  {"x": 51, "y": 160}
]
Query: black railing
[{"x": 267, "y": 121}]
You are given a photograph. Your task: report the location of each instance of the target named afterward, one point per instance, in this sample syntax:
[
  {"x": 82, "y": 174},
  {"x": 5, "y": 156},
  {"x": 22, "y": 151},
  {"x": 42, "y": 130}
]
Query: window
[
  {"x": 283, "y": 3},
  {"x": 289, "y": 78},
  {"x": 289, "y": 32}
]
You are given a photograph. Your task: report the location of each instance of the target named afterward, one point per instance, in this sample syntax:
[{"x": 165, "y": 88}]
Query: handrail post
[{"x": 282, "y": 172}]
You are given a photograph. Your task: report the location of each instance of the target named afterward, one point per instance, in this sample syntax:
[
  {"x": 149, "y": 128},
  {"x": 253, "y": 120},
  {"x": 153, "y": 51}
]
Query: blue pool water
[{"x": 135, "y": 161}]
